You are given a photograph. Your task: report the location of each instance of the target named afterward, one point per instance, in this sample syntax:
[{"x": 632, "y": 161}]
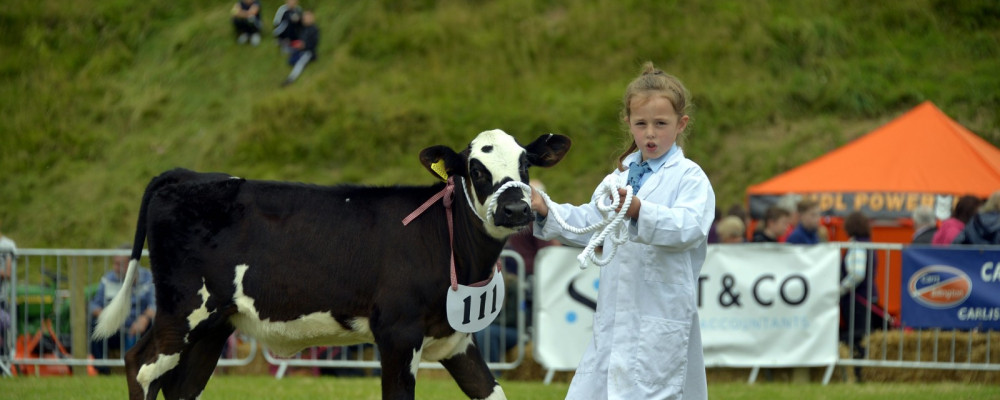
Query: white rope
[
  {"x": 612, "y": 225},
  {"x": 493, "y": 199}
]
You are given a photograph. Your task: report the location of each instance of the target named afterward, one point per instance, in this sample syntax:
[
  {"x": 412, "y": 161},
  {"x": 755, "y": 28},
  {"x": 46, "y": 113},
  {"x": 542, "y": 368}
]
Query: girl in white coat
[{"x": 647, "y": 341}]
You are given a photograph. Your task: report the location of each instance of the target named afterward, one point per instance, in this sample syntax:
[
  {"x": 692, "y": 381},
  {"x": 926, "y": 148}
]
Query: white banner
[
  {"x": 565, "y": 298},
  {"x": 769, "y": 305},
  {"x": 772, "y": 305}
]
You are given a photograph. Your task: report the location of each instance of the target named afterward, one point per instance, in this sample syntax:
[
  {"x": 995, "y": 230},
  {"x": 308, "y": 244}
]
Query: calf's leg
[
  {"x": 188, "y": 379},
  {"x": 472, "y": 375},
  {"x": 156, "y": 353}
]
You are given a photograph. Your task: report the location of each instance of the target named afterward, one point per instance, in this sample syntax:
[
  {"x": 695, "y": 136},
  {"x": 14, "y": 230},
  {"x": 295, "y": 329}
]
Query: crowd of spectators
[{"x": 294, "y": 30}]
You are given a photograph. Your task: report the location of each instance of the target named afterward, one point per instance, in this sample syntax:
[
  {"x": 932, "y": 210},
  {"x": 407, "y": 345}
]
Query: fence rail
[{"x": 50, "y": 325}]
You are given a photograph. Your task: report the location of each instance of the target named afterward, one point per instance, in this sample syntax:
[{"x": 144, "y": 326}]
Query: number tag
[{"x": 472, "y": 308}]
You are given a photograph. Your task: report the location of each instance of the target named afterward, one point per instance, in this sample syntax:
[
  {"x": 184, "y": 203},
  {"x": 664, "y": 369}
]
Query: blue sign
[{"x": 951, "y": 288}]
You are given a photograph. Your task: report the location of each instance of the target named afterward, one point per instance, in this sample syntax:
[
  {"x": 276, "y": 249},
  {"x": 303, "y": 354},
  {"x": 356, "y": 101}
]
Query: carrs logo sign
[{"x": 940, "y": 286}]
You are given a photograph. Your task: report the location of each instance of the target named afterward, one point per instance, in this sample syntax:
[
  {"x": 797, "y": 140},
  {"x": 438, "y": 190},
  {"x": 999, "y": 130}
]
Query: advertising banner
[
  {"x": 951, "y": 288},
  {"x": 759, "y": 305},
  {"x": 879, "y": 205},
  {"x": 564, "y": 305},
  {"x": 770, "y": 305}
]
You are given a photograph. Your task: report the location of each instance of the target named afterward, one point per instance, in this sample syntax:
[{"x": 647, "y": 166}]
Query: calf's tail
[{"x": 116, "y": 312}]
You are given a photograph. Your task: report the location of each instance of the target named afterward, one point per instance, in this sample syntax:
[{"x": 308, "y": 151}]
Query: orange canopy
[{"x": 922, "y": 157}]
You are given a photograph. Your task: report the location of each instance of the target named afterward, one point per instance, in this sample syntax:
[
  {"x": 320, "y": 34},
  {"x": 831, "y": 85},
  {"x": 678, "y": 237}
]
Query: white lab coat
[{"x": 647, "y": 339}]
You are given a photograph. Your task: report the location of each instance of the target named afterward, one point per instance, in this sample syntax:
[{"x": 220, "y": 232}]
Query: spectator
[
  {"x": 713, "y": 236},
  {"x": 858, "y": 293},
  {"x": 246, "y": 21},
  {"x": 776, "y": 222},
  {"x": 789, "y": 202},
  {"x": 731, "y": 230},
  {"x": 287, "y": 24},
  {"x": 304, "y": 50},
  {"x": 806, "y": 231},
  {"x": 965, "y": 208},
  {"x": 924, "y": 225},
  {"x": 8, "y": 257},
  {"x": 8, "y": 253},
  {"x": 141, "y": 312},
  {"x": 984, "y": 227}
]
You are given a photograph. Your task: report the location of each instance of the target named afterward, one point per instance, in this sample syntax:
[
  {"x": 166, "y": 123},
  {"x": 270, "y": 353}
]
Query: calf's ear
[
  {"x": 442, "y": 162},
  {"x": 547, "y": 150}
]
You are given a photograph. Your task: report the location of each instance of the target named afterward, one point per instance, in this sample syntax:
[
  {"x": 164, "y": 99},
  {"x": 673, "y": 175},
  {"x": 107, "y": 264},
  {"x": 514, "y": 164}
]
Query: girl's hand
[
  {"x": 538, "y": 204},
  {"x": 633, "y": 208}
]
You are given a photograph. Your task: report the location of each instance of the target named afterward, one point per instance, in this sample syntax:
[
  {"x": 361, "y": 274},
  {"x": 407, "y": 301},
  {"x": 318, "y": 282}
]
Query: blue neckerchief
[{"x": 639, "y": 172}]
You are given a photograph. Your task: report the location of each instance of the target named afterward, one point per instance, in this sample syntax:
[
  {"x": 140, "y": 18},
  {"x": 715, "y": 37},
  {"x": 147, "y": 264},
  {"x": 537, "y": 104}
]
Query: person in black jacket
[
  {"x": 287, "y": 24},
  {"x": 984, "y": 227},
  {"x": 304, "y": 48},
  {"x": 776, "y": 222},
  {"x": 246, "y": 21}
]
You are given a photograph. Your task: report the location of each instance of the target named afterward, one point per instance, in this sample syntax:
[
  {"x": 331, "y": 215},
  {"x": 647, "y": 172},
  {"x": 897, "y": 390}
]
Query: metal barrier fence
[
  {"x": 50, "y": 322},
  {"x": 889, "y": 343},
  {"x": 50, "y": 325}
]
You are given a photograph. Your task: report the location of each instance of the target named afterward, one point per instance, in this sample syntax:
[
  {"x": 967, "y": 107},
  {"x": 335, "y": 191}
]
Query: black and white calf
[{"x": 297, "y": 265}]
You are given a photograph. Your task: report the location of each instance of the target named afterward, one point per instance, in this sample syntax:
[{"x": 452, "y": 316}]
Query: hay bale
[{"x": 952, "y": 346}]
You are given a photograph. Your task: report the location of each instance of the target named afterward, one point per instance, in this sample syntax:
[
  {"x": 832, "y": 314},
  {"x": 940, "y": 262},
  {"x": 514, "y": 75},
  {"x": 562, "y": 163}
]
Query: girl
[{"x": 647, "y": 341}]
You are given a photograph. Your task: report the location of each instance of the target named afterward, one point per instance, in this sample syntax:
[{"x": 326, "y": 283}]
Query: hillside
[{"x": 97, "y": 97}]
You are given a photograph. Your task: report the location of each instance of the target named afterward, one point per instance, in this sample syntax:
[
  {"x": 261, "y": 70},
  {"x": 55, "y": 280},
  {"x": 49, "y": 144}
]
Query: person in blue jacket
[
  {"x": 141, "y": 311},
  {"x": 807, "y": 232}
]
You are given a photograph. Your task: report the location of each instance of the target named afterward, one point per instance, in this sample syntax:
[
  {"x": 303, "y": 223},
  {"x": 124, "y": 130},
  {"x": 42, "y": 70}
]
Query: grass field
[
  {"x": 99, "y": 96},
  {"x": 243, "y": 387}
]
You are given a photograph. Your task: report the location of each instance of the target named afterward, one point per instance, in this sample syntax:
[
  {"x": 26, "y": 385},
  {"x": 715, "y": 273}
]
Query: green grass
[
  {"x": 98, "y": 96},
  {"x": 236, "y": 387}
]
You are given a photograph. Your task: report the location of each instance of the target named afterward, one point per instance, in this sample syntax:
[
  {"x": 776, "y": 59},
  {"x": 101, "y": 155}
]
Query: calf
[{"x": 297, "y": 265}]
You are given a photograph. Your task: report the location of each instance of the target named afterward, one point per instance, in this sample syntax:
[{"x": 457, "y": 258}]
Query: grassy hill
[{"x": 97, "y": 97}]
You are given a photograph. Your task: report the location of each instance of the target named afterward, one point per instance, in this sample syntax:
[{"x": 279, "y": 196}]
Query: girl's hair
[
  {"x": 856, "y": 225},
  {"x": 653, "y": 82},
  {"x": 965, "y": 208}
]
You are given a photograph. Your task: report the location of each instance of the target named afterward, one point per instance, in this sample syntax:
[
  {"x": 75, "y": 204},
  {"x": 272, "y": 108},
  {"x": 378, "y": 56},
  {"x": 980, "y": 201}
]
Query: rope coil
[{"x": 612, "y": 225}]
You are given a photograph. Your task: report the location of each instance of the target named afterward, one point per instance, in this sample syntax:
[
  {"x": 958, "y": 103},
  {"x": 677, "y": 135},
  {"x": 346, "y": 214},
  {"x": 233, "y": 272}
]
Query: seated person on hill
[
  {"x": 304, "y": 50},
  {"x": 287, "y": 24},
  {"x": 776, "y": 222},
  {"x": 141, "y": 311},
  {"x": 246, "y": 20}
]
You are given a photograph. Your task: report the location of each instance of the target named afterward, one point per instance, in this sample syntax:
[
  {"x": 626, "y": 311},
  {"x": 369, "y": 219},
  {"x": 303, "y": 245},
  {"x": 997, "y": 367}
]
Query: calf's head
[{"x": 492, "y": 159}]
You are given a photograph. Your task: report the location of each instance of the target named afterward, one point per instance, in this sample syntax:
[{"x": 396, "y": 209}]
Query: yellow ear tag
[{"x": 438, "y": 167}]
